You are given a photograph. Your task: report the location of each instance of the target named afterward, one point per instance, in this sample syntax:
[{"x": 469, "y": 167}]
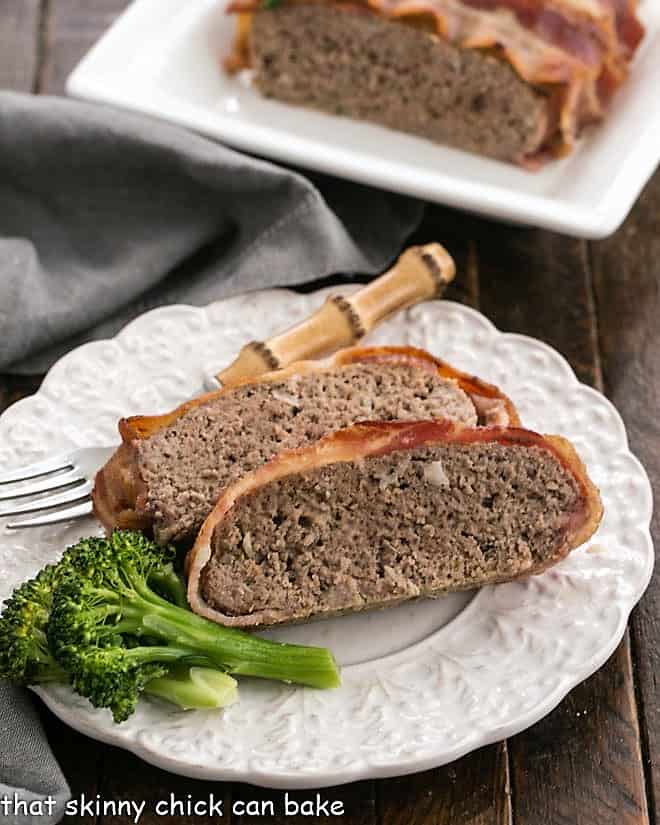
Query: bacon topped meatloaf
[
  {"x": 383, "y": 512},
  {"x": 512, "y": 79},
  {"x": 170, "y": 469}
]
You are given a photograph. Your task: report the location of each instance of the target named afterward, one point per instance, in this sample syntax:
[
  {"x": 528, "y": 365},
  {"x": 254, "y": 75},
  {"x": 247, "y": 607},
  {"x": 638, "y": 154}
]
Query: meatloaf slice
[
  {"x": 171, "y": 469},
  {"x": 380, "y": 513},
  {"x": 347, "y": 60}
]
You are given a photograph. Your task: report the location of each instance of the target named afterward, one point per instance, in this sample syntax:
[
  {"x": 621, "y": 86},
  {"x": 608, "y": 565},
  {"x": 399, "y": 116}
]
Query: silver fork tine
[
  {"x": 67, "y": 497},
  {"x": 44, "y": 486},
  {"x": 40, "y": 468},
  {"x": 83, "y": 509},
  {"x": 69, "y": 478}
]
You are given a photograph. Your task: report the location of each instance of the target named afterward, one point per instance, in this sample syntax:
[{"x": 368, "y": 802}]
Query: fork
[
  {"x": 67, "y": 478},
  {"x": 60, "y": 488}
]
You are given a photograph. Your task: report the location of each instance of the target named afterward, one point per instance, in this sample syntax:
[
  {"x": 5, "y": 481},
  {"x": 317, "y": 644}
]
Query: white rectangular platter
[{"x": 163, "y": 57}]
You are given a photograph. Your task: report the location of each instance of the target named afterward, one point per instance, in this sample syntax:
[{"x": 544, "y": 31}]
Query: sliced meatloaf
[
  {"x": 171, "y": 469},
  {"x": 510, "y": 79},
  {"x": 365, "y": 66},
  {"x": 383, "y": 512}
]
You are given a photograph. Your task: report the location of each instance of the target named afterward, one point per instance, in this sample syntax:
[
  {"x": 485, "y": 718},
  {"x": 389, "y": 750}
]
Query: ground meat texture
[
  {"x": 186, "y": 466},
  {"x": 350, "y": 536},
  {"x": 355, "y": 63}
]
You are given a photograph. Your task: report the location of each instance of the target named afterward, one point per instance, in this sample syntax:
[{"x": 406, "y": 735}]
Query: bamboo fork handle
[{"x": 421, "y": 272}]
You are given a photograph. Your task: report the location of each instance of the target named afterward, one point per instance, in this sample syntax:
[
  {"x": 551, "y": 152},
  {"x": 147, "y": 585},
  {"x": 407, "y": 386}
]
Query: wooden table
[{"x": 594, "y": 760}]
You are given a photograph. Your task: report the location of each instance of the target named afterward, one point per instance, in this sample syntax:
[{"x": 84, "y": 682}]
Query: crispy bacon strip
[{"x": 373, "y": 439}]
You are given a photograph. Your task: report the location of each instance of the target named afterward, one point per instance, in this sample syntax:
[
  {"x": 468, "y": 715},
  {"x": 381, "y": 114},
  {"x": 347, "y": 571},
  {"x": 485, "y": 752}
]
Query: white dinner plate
[
  {"x": 423, "y": 683},
  {"x": 163, "y": 57}
]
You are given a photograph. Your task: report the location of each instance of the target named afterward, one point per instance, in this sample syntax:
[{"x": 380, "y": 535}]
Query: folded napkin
[
  {"x": 32, "y": 787},
  {"x": 104, "y": 215}
]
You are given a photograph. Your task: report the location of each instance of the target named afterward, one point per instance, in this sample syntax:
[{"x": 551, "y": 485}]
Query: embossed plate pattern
[{"x": 417, "y": 691}]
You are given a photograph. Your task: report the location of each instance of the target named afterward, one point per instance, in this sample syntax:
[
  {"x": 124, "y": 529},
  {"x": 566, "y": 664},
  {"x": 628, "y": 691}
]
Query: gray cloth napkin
[
  {"x": 104, "y": 215},
  {"x": 32, "y": 787}
]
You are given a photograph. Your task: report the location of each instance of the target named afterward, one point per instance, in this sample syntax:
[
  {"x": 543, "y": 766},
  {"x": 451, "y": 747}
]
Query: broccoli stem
[
  {"x": 233, "y": 650},
  {"x": 168, "y": 583},
  {"x": 195, "y": 688}
]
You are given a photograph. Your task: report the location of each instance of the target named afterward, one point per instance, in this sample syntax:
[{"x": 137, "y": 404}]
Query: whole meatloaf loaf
[
  {"x": 383, "y": 512},
  {"x": 512, "y": 79},
  {"x": 170, "y": 469}
]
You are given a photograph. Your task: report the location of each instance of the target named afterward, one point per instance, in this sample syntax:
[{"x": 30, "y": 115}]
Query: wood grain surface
[
  {"x": 594, "y": 760},
  {"x": 626, "y": 271},
  {"x": 20, "y": 49}
]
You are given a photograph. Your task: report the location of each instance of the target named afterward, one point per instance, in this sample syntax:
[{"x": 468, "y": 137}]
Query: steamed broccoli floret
[
  {"x": 112, "y": 619},
  {"x": 114, "y": 678},
  {"x": 109, "y": 602},
  {"x": 24, "y": 654},
  {"x": 102, "y": 653},
  {"x": 96, "y": 640},
  {"x": 25, "y": 657},
  {"x": 96, "y": 560}
]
